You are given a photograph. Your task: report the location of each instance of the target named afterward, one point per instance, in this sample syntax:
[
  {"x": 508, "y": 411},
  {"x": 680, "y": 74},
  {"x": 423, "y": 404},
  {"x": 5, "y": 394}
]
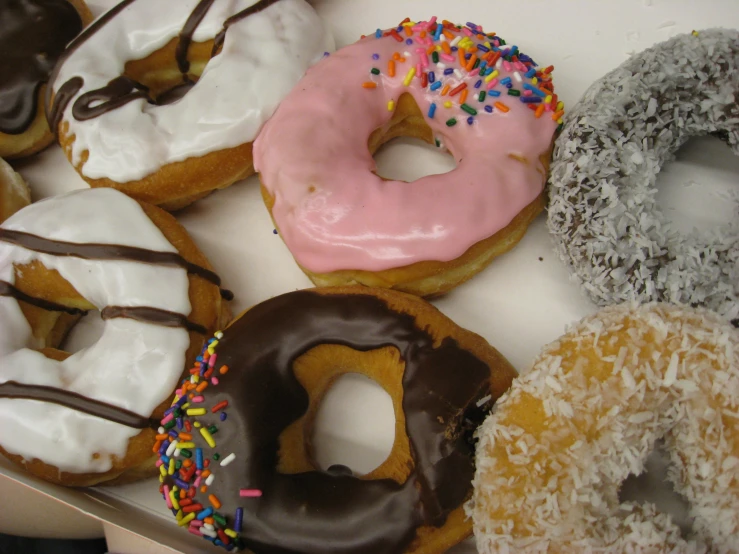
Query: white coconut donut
[
  {"x": 79, "y": 414},
  {"x": 118, "y": 104},
  {"x": 557, "y": 447},
  {"x": 603, "y": 213}
]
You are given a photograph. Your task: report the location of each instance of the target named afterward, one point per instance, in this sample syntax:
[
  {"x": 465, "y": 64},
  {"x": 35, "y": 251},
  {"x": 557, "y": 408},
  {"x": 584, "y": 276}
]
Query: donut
[
  {"x": 91, "y": 416},
  {"x": 33, "y": 34},
  {"x": 14, "y": 192},
  {"x": 553, "y": 454},
  {"x": 603, "y": 215},
  {"x": 236, "y": 462},
  {"x": 163, "y": 104},
  {"x": 456, "y": 87}
]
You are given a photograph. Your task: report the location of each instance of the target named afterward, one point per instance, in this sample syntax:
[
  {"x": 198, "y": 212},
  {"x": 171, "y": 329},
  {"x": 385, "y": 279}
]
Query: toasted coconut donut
[
  {"x": 603, "y": 214},
  {"x": 553, "y": 455},
  {"x": 282, "y": 356},
  {"x": 14, "y": 193},
  {"x": 343, "y": 223},
  {"x": 163, "y": 102},
  {"x": 33, "y": 34},
  {"x": 85, "y": 418}
]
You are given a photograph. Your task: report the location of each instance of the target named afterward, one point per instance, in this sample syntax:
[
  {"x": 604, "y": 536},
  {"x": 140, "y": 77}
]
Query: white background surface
[{"x": 524, "y": 299}]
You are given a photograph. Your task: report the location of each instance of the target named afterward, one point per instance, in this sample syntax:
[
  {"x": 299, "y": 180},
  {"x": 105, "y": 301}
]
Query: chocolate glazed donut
[{"x": 316, "y": 511}]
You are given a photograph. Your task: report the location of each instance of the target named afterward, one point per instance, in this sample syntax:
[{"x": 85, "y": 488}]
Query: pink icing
[{"x": 331, "y": 209}]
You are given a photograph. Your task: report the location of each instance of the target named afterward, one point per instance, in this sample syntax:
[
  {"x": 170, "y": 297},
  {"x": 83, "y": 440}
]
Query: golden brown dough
[{"x": 14, "y": 192}]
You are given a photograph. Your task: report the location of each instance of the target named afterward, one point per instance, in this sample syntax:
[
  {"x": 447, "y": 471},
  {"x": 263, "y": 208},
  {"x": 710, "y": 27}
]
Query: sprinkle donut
[
  {"x": 603, "y": 214},
  {"x": 83, "y": 418},
  {"x": 133, "y": 99},
  {"x": 560, "y": 443},
  {"x": 235, "y": 458},
  {"x": 460, "y": 88}
]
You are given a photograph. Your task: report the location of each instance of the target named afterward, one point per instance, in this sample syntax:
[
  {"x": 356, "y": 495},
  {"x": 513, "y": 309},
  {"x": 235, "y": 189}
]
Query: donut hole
[
  {"x": 698, "y": 190},
  {"x": 393, "y": 158},
  {"x": 407, "y": 137},
  {"x": 85, "y": 332},
  {"x": 354, "y": 426},
  {"x": 354, "y": 418},
  {"x": 654, "y": 487}
]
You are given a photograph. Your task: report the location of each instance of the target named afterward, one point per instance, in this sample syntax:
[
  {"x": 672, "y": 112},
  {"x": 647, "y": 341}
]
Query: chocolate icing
[
  {"x": 33, "y": 34},
  {"x": 319, "y": 512},
  {"x": 152, "y": 315},
  {"x": 93, "y": 251},
  {"x": 12, "y": 389},
  {"x": 187, "y": 32},
  {"x": 243, "y": 14},
  {"x": 6, "y": 289},
  {"x": 139, "y": 313}
]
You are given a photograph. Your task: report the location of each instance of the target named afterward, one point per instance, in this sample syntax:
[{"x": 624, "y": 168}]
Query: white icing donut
[
  {"x": 263, "y": 56},
  {"x": 134, "y": 365}
]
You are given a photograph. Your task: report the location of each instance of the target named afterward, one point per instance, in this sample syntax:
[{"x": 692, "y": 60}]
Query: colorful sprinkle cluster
[
  {"x": 186, "y": 469},
  {"x": 444, "y": 57}
]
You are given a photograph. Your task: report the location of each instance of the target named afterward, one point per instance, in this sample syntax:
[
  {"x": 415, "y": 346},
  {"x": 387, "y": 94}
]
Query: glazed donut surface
[
  {"x": 462, "y": 89},
  {"x": 84, "y": 418},
  {"x": 553, "y": 454}
]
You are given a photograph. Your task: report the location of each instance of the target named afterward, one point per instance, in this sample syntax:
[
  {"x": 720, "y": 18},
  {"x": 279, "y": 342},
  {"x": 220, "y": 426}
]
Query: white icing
[
  {"x": 263, "y": 56},
  {"x": 134, "y": 365}
]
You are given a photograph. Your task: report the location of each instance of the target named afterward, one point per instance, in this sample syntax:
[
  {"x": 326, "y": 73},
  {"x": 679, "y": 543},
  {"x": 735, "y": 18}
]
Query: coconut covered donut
[
  {"x": 236, "y": 460},
  {"x": 33, "y": 35},
  {"x": 603, "y": 213},
  {"x": 552, "y": 456},
  {"x": 84, "y": 418},
  {"x": 463, "y": 89},
  {"x": 14, "y": 192},
  {"x": 163, "y": 102}
]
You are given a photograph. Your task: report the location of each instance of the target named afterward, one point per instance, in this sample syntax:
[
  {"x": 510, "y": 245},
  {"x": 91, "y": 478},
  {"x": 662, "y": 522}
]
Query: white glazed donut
[
  {"x": 603, "y": 214},
  {"x": 135, "y": 364},
  {"x": 104, "y": 109},
  {"x": 557, "y": 447}
]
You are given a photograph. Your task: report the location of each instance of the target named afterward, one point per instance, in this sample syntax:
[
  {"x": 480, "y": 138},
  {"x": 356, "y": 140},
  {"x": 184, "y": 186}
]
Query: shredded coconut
[
  {"x": 603, "y": 213},
  {"x": 559, "y": 493}
]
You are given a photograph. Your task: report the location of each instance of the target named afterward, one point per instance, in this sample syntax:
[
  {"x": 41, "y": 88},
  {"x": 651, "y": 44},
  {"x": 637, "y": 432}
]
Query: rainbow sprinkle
[
  {"x": 188, "y": 462},
  {"x": 444, "y": 57}
]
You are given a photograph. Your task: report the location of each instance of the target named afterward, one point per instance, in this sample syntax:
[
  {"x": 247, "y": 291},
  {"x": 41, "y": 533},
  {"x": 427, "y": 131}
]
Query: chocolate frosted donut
[
  {"x": 281, "y": 357},
  {"x": 33, "y": 34}
]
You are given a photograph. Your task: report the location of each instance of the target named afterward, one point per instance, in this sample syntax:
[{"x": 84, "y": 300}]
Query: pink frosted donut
[{"x": 464, "y": 90}]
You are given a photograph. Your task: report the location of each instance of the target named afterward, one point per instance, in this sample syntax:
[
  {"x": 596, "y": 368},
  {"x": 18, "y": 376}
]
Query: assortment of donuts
[{"x": 157, "y": 106}]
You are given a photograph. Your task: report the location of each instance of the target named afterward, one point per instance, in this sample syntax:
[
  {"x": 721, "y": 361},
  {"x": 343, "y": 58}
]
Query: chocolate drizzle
[
  {"x": 122, "y": 89},
  {"x": 33, "y": 34},
  {"x": 118, "y": 92},
  {"x": 318, "y": 512},
  {"x": 6, "y": 289},
  {"x": 243, "y": 14},
  {"x": 146, "y": 314},
  {"x": 93, "y": 251},
  {"x": 187, "y": 32},
  {"x": 12, "y": 389},
  {"x": 156, "y": 316}
]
